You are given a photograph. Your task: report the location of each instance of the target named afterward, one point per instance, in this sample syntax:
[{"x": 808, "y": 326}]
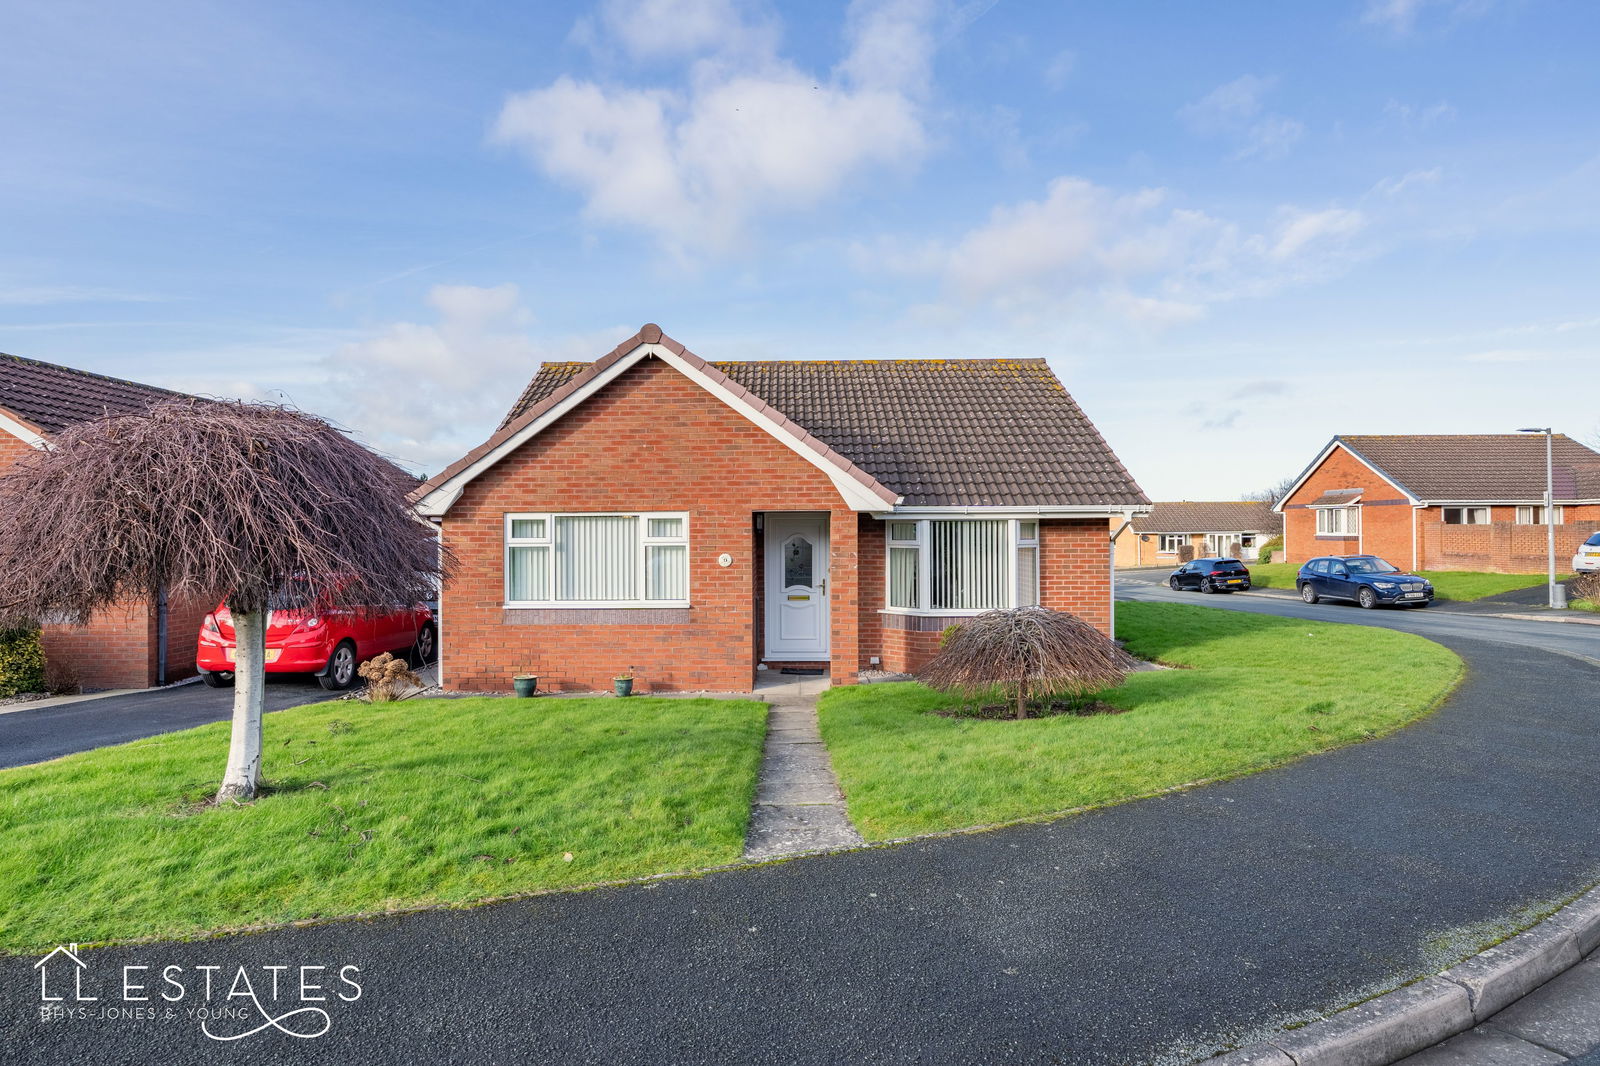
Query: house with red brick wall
[
  {"x": 695, "y": 523},
  {"x": 135, "y": 645},
  {"x": 1230, "y": 528},
  {"x": 1443, "y": 502}
]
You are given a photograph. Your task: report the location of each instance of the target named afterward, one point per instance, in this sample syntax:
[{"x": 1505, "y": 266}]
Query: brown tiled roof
[
  {"x": 1232, "y": 516},
  {"x": 51, "y": 398},
  {"x": 939, "y": 432},
  {"x": 1468, "y": 467}
]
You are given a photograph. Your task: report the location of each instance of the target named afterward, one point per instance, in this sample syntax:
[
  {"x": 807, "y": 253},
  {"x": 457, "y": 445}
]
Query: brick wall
[
  {"x": 651, "y": 440},
  {"x": 1385, "y": 515},
  {"x": 1503, "y": 546},
  {"x": 115, "y": 650}
]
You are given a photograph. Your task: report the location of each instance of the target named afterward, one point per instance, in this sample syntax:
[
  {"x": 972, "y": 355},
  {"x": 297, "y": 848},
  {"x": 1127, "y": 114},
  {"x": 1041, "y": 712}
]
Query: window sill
[
  {"x": 599, "y": 605},
  {"x": 917, "y": 612}
]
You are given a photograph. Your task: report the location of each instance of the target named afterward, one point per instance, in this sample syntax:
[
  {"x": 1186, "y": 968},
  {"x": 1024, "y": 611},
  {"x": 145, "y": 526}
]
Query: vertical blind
[
  {"x": 903, "y": 577},
  {"x": 968, "y": 568},
  {"x": 595, "y": 557}
]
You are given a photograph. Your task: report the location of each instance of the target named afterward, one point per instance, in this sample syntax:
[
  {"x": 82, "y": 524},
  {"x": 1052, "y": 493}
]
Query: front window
[
  {"x": 1466, "y": 516},
  {"x": 1534, "y": 515},
  {"x": 962, "y": 565},
  {"x": 588, "y": 560},
  {"x": 1171, "y": 542},
  {"x": 1338, "y": 521}
]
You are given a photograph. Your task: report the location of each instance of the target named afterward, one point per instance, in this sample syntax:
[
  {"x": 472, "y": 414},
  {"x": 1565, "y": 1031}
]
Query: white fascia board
[
  {"x": 1322, "y": 456},
  {"x": 1537, "y": 501},
  {"x": 857, "y": 495},
  {"x": 22, "y": 432},
  {"x": 1096, "y": 510},
  {"x": 441, "y": 499}
]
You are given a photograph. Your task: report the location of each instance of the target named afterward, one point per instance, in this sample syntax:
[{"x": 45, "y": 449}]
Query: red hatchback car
[{"x": 328, "y": 643}]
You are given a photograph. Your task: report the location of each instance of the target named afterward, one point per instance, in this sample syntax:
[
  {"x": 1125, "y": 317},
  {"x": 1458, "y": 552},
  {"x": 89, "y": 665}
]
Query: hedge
[{"x": 21, "y": 662}]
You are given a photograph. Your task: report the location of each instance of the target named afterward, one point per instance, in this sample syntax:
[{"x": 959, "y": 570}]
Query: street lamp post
[{"x": 1557, "y": 600}]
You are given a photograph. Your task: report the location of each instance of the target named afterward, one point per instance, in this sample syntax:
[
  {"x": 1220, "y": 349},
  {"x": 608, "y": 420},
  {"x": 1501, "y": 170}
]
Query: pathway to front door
[{"x": 799, "y": 808}]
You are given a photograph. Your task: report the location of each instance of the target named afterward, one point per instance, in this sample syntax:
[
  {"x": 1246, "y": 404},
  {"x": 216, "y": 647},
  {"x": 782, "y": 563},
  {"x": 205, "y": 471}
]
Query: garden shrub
[
  {"x": 21, "y": 662},
  {"x": 1585, "y": 587},
  {"x": 1269, "y": 549}
]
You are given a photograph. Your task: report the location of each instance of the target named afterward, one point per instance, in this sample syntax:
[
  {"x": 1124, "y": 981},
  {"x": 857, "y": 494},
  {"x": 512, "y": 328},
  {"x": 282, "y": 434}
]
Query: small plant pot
[
  {"x": 623, "y": 686},
  {"x": 525, "y": 685}
]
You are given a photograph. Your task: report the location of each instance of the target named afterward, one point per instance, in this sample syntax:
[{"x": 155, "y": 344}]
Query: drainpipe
[
  {"x": 161, "y": 635},
  {"x": 438, "y": 611},
  {"x": 1127, "y": 520}
]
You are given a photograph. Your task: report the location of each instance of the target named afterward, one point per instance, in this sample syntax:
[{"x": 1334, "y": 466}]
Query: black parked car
[
  {"x": 1211, "y": 575},
  {"x": 1365, "y": 579}
]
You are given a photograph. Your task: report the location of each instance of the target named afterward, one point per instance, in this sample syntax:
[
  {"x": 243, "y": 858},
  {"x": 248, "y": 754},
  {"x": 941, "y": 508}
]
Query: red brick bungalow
[
  {"x": 691, "y": 521},
  {"x": 1228, "y": 528},
  {"x": 141, "y": 644},
  {"x": 1449, "y": 502}
]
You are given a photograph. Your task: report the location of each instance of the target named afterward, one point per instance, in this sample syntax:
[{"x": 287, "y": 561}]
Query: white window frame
[
  {"x": 1343, "y": 520},
  {"x": 1525, "y": 512},
  {"x": 1466, "y": 514},
  {"x": 923, "y": 544},
  {"x": 1177, "y": 540},
  {"x": 643, "y": 542}
]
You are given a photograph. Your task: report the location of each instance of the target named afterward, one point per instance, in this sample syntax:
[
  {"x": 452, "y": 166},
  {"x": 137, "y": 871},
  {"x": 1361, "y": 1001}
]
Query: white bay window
[
  {"x": 1338, "y": 521},
  {"x": 960, "y": 566},
  {"x": 597, "y": 560}
]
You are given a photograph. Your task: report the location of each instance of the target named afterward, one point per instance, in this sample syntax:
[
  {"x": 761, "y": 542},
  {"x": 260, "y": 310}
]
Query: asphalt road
[
  {"x": 34, "y": 734},
  {"x": 1156, "y": 931}
]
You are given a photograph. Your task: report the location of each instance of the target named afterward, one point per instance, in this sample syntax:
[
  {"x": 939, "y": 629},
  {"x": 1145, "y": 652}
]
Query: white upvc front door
[{"x": 798, "y": 620}]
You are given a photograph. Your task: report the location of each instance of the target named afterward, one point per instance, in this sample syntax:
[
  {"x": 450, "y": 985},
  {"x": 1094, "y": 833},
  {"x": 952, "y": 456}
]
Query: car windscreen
[
  {"x": 1370, "y": 566},
  {"x": 1594, "y": 539}
]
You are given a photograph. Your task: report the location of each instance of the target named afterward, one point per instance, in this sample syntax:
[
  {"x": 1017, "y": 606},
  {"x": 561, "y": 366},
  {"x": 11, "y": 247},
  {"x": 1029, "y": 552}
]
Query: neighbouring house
[
  {"x": 139, "y": 644},
  {"x": 1448, "y": 502},
  {"x": 693, "y": 522},
  {"x": 1231, "y": 528}
]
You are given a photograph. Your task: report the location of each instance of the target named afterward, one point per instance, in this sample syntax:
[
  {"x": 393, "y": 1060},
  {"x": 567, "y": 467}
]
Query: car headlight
[{"x": 1388, "y": 585}]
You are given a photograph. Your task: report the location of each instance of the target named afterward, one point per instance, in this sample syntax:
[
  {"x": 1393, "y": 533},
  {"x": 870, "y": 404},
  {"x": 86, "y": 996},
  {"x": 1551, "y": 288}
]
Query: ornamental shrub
[{"x": 21, "y": 662}]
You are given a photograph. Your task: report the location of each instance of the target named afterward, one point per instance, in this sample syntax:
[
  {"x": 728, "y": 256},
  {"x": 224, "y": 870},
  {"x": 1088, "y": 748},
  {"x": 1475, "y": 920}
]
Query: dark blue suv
[{"x": 1364, "y": 579}]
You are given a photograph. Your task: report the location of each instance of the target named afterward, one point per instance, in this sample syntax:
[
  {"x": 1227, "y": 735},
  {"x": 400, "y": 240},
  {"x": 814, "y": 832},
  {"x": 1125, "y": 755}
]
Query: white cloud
[
  {"x": 1300, "y": 229},
  {"x": 1506, "y": 355},
  {"x": 1418, "y": 116},
  {"x": 41, "y": 295},
  {"x": 658, "y": 29},
  {"x": 1236, "y": 111},
  {"x": 426, "y": 393},
  {"x": 1392, "y": 187},
  {"x": 1060, "y": 69},
  {"x": 748, "y": 133},
  {"x": 1130, "y": 253},
  {"x": 1401, "y": 16}
]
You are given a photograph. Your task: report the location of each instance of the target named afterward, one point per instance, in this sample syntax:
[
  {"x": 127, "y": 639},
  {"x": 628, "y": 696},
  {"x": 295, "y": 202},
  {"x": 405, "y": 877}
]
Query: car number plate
[
  {"x": 1236, "y": 581},
  {"x": 1411, "y": 595},
  {"x": 272, "y": 654}
]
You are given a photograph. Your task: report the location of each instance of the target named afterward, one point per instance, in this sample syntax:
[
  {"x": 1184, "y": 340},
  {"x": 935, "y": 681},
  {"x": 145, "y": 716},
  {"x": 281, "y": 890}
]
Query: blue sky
[{"x": 1234, "y": 230}]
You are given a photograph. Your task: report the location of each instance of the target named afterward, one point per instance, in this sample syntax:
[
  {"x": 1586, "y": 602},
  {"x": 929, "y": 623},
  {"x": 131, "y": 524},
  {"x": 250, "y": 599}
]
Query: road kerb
[{"x": 1403, "y": 1022}]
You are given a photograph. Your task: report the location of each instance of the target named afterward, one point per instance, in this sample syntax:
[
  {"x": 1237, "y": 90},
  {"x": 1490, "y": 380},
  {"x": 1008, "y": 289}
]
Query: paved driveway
[
  {"x": 1154, "y": 931},
  {"x": 34, "y": 735}
]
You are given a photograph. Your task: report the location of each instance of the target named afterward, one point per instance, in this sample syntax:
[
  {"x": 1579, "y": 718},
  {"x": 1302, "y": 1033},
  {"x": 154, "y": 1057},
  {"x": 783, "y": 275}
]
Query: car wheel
[
  {"x": 1206, "y": 586},
  {"x": 1308, "y": 593},
  {"x": 217, "y": 678},
  {"x": 341, "y": 672},
  {"x": 1367, "y": 598},
  {"x": 423, "y": 650},
  {"x": 1172, "y": 583}
]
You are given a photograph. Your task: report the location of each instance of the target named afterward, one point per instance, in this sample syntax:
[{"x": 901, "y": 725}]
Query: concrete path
[
  {"x": 799, "y": 809},
  {"x": 1555, "y": 1024}
]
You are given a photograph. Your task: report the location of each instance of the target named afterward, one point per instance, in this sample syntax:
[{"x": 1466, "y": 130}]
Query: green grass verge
[
  {"x": 1260, "y": 691},
  {"x": 1447, "y": 584},
  {"x": 372, "y": 807}
]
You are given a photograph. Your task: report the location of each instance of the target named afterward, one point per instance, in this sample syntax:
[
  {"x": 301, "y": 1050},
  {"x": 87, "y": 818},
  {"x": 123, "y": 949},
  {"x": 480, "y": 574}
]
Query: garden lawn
[
  {"x": 372, "y": 807},
  {"x": 1447, "y": 584},
  {"x": 1259, "y": 691}
]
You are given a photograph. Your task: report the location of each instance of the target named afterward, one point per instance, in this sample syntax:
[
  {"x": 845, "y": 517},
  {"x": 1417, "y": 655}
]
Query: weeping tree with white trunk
[{"x": 255, "y": 505}]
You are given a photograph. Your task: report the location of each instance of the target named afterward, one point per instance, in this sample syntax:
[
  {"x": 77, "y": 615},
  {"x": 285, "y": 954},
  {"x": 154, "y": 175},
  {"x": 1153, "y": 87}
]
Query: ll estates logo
[{"x": 227, "y": 1003}]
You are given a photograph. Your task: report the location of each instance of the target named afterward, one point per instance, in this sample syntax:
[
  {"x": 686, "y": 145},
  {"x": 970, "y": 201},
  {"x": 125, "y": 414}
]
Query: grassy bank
[
  {"x": 1257, "y": 691},
  {"x": 372, "y": 807}
]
